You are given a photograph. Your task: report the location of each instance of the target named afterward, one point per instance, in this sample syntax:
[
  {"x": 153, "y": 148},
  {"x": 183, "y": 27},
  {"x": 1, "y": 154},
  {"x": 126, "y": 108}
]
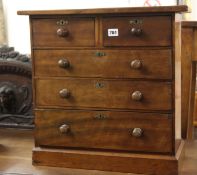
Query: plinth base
[{"x": 107, "y": 161}]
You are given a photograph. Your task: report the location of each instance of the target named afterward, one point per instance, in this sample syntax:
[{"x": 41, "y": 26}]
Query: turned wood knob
[
  {"x": 64, "y": 128},
  {"x": 64, "y": 63},
  {"x": 64, "y": 93},
  {"x": 137, "y": 96},
  {"x": 136, "y": 64},
  {"x": 61, "y": 32},
  {"x": 136, "y": 31},
  {"x": 137, "y": 132}
]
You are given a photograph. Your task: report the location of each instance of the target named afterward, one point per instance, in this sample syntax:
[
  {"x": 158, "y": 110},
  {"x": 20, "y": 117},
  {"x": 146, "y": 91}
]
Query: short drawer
[
  {"x": 153, "y": 64},
  {"x": 137, "y": 31},
  {"x": 125, "y": 131},
  {"x": 71, "y": 92},
  {"x": 60, "y": 32}
]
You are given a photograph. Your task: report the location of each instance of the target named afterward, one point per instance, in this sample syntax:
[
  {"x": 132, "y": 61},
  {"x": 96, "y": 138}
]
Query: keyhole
[
  {"x": 62, "y": 22},
  {"x": 99, "y": 85}
]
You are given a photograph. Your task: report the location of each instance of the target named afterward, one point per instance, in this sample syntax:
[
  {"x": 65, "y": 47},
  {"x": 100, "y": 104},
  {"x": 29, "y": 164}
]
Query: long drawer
[
  {"x": 137, "y": 31},
  {"x": 153, "y": 64},
  {"x": 126, "y": 131},
  {"x": 102, "y": 93},
  {"x": 63, "y": 32}
]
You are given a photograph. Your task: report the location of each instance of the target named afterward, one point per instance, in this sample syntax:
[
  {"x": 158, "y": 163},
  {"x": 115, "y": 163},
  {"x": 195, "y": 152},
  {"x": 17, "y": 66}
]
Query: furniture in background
[
  {"x": 189, "y": 58},
  {"x": 104, "y": 89},
  {"x": 195, "y": 112},
  {"x": 15, "y": 89}
]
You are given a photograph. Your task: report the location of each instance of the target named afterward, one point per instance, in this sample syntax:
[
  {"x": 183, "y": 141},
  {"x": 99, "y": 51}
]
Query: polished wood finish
[
  {"x": 127, "y": 76},
  {"x": 95, "y": 93},
  {"x": 113, "y": 131},
  {"x": 16, "y": 157},
  {"x": 108, "y": 161},
  {"x": 189, "y": 24},
  {"x": 190, "y": 125},
  {"x": 153, "y": 32},
  {"x": 177, "y": 85},
  {"x": 186, "y": 65},
  {"x": 124, "y": 10},
  {"x": 80, "y": 32},
  {"x": 189, "y": 58},
  {"x": 155, "y": 64},
  {"x": 195, "y": 110}
]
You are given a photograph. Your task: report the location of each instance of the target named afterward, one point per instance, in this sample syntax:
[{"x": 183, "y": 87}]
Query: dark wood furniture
[
  {"x": 195, "y": 111},
  {"x": 107, "y": 89},
  {"x": 15, "y": 89},
  {"x": 189, "y": 58}
]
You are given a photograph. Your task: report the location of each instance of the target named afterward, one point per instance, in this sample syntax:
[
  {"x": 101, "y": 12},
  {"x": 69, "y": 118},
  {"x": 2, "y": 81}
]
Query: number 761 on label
[{"x": 112, "y": 32}]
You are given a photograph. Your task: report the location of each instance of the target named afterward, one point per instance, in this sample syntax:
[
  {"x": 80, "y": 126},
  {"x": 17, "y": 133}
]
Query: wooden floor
[{"x": 15, "y": 157}]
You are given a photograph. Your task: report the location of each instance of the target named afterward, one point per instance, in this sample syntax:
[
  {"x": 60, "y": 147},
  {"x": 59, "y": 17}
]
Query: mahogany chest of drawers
[{"x": 107, "y": 89}]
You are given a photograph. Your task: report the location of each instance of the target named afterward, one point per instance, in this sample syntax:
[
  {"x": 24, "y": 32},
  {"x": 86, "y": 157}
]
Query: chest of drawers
[{"x": 107, "y": 89}]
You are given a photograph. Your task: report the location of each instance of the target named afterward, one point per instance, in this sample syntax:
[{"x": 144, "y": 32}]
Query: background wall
[
  {"x": 2, "y": 29},
  {"x": 194, "y": 10},
  {"x": 17, "y": 27}
]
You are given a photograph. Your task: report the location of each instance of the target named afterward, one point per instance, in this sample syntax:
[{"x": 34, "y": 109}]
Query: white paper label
[{"x": 112, "y": 32}]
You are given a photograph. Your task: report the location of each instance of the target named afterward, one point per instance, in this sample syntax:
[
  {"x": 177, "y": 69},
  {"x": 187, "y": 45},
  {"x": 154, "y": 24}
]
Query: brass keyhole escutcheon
[
  {"x": 136, "y": 21},
  {"x": 99, "y": 85},
  {"x": 62, "y": 22},
  {"x": 100, "y": 54},
  {"x": 100, "y": 116}
]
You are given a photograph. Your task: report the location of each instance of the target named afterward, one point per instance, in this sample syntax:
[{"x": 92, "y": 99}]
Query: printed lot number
[{"x": 112, "y": 32}]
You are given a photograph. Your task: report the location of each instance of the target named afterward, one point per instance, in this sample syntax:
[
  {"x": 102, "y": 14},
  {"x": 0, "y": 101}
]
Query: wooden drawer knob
[
  {"x": 64, "y": 63},
  {"x": 136, "y": 64},
  {"x": 137, "y": 132},
  {"x": 64, "y": 93},
  {"x": 136, "y": 31},
  {"x": 137, "y": 96},
  {"x": 64, "y": 128},
  {"x": 61, "y": 32}
]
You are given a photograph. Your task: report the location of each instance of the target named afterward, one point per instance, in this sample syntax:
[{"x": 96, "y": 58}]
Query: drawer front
[
  {"x": 67, "y": 92},
  {"x": 137, "y": 31},
  {"x": 104, "y": 63},
  {"x": 127, "y": 131},
  {"x": 66, "y": 32}
]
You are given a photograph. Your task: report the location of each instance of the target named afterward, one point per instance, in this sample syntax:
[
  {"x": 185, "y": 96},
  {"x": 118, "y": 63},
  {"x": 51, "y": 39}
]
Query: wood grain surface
[
  {"x": 156, "y": 31},
  {"x": 155, "y": 64},
  {"x": 103, "y": 93},
  {"x": 160, "y": 9},
  {"x": 80, "y": 32},
  {"x": 102, "y": 85},
  {"x": 104, "y": 130}
]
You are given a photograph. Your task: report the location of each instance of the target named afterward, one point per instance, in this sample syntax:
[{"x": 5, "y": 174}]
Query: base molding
[{"x": 107, "y": 161}]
